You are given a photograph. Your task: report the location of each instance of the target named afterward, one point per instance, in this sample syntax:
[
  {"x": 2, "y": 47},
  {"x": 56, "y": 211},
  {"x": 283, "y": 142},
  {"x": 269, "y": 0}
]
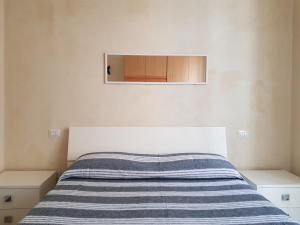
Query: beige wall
[
  {"x": 54, "y": 68},
  {"x": 1, "y": 84},
  {"x": 296, "y": 91}
]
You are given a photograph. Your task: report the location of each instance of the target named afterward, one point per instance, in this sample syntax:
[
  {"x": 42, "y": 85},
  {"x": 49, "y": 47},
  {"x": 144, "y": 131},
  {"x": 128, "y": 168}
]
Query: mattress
[{"x": 122, "y": 188}]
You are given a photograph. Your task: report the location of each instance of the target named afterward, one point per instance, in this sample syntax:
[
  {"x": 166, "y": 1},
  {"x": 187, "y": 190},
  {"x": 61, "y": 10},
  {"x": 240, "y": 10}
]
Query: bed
[{"x": 190, "y": 187}]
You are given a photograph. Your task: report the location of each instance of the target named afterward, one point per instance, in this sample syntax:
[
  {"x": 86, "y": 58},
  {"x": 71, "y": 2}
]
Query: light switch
[
  {"x": 243, "y": 134},
  {"x": 54, "y": 132},
  {"x": 285, "y": 197}
]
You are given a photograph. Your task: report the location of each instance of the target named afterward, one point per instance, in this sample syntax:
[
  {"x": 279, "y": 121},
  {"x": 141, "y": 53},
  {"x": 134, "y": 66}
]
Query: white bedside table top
[
  {"x": 24, "y": 179},
  {"x": 272, "y": 178}
]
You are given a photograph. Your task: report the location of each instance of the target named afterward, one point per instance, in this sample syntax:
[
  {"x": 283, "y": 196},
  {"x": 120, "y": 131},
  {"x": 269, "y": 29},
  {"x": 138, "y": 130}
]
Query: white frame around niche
[{"x": 153, "y": 83}]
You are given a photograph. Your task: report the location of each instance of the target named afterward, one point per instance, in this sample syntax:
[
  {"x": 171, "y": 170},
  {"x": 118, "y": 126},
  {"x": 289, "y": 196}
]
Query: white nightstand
[
  {"x": 278, "y": 186},
  {"x": 22, "y": 190}
]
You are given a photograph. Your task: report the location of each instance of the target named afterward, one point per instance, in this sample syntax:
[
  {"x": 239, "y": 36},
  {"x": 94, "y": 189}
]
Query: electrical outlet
[
  {"x": 243, "y": 134},
  {"x": 54, "y": 132}
]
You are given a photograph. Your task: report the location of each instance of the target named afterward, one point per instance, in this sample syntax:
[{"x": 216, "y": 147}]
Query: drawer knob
[
  {"x": 7, "y": 198},
  {"x": 8, "y": 219},
  {"x": 285, "y": 197}
]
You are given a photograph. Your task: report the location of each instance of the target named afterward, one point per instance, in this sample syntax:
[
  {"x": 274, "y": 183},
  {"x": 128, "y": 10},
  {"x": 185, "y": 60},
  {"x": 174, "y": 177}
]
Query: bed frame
[{"x": 149, "y": 140}]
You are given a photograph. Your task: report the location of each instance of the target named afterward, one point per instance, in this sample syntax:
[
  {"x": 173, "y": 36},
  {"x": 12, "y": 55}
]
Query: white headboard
[{"x": 149, "y": 140}]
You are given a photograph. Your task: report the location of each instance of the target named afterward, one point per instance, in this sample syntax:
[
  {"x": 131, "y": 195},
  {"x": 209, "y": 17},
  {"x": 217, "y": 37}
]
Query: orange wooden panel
[
  {"x": 138, "y": 79},
  {"x": 135, "y": 66},
  {"x": 197, "y": 69},
  {"x": 135, "y": 79},
  {"x": 178, "y": 69},
  {"x": 156, "y": 66},
  {"x": 149, "y": 79}
]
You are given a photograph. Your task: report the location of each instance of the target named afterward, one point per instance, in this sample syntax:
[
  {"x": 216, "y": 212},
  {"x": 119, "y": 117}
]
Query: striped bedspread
[{"x": 120, "y": 188}]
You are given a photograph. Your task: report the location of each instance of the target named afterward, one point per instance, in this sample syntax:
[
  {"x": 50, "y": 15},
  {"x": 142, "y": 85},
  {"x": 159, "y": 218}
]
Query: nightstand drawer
[
  {"x": 282, "y": 197},
  {"x": 19, "y": 198},
  {"x": 13, "y": 216}
]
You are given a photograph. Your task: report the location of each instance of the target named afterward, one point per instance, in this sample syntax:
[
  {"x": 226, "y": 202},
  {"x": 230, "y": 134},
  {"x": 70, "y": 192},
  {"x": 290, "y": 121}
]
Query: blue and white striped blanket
[{"x": 122, "y": 188}]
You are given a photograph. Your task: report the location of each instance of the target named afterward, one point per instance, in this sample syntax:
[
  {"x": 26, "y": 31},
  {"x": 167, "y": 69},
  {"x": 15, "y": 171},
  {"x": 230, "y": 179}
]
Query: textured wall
[
  {"x": 54, "y": 68},
  {"x": 1, "y": 84},
  {"x": 296, "y": 91}
]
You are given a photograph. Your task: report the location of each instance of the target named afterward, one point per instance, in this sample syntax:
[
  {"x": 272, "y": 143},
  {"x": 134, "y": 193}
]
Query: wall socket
[
  {"x": 54, "y": 133},
  {"x": 243, "y": 134}
]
